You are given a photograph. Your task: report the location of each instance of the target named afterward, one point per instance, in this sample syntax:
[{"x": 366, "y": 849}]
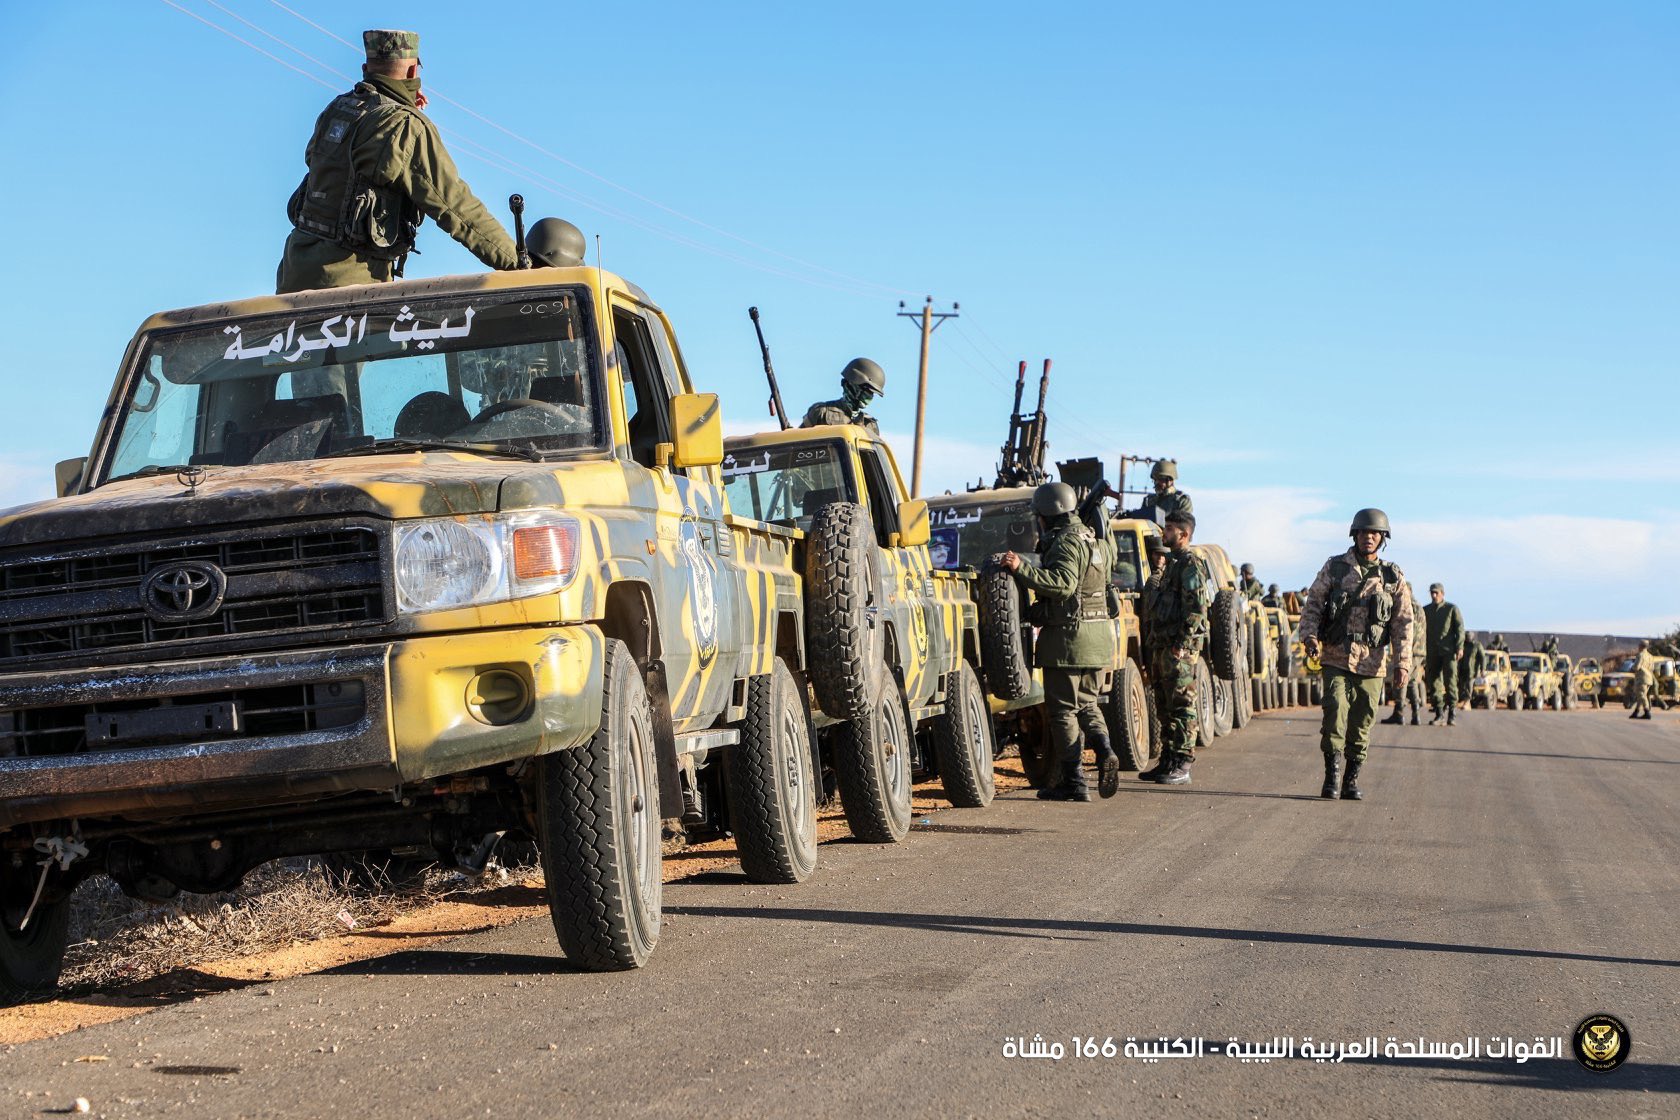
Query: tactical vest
[
  {"x": 338, "y": 205},
  {"x": 1379, "y": 606},
  {"x": 1090, "y": 601}
]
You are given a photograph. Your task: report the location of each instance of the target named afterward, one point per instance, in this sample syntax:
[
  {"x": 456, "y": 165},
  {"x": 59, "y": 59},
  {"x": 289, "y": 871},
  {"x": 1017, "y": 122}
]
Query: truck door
[
  {"x": 696, "y": 594},
  {"x": 909, "y": 571}
]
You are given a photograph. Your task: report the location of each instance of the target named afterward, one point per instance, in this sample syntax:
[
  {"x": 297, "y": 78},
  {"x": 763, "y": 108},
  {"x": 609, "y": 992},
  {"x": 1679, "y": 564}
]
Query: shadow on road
[
  {"x": 443, "y": 962},
  {"x": 1066, "y": 929},
  {"x": 1560, "y": 1074}
]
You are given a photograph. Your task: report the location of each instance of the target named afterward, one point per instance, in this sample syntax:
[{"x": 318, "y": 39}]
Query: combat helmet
[
  {"x": 861, "y": 373},
  {"x": 1165, "y": 468},
  {"x": 1054, "y": 499},
  {"x": 1369, "y": 519},
  {"x": 555, "y": 243}
]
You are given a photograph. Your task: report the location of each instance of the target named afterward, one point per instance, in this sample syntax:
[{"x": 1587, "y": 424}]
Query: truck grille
[
  {"x": 126, "y": 725},
  {"x": 279, "y": 581}
]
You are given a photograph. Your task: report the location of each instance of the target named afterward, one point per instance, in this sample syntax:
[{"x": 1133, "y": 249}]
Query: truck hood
[{"x": 389, "y": 486}]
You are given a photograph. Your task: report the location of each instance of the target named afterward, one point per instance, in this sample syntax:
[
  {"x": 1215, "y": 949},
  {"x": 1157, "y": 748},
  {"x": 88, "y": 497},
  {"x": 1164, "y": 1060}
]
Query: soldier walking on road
[
  {"x": 1357, "y": 611},
  {"x": 1075, "y": 647},
  {"x": 860, "y": 382},
  {"x": 1176, "y": 601},
  {"x": 1248, "y": 585},
  {"x": 1444, "y": 629},
  {"x": 1470, "y": 666},
  {"x": 377, "y": 169},
  {"x": 1411, "y": 693},
  {"x": 1167, "y": 499},
  {"x": 1644, "y": 682}
]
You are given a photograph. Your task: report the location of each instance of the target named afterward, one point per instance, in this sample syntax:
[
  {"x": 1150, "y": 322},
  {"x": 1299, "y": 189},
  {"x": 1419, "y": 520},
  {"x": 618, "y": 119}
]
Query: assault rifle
[{"x": 1022, "y": 462}]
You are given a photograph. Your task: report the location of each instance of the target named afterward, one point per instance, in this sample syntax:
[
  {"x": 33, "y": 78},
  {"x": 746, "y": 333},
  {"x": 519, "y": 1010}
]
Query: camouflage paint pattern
[{"x": 1352, "y": 655}]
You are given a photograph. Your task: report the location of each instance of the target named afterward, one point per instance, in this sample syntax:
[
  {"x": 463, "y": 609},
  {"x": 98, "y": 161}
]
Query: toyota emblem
[{"x": 183, "y": 591}]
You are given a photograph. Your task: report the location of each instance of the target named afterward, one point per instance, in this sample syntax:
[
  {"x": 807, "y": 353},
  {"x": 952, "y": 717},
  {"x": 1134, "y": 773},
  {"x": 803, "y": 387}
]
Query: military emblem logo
[
  {"x": 705, "y": 606},
  {"x": 1602, "y": 1043}
]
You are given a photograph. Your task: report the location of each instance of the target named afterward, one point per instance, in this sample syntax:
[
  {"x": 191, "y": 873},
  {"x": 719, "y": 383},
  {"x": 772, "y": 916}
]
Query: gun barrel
[
  {"x": 776, "y": 407},
  {"x": 516, "y": 203}
]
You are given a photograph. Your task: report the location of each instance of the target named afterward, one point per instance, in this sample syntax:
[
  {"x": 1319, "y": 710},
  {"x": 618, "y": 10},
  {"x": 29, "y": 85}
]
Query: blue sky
[{"x": 1419, "y": 256}]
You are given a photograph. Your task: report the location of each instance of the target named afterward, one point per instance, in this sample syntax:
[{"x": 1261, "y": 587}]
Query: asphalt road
[{"x": 1504, "y": 879}]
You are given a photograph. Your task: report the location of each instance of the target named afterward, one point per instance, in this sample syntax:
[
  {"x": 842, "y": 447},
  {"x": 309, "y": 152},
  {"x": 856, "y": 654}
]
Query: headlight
[{"x": 448, "y": 562}]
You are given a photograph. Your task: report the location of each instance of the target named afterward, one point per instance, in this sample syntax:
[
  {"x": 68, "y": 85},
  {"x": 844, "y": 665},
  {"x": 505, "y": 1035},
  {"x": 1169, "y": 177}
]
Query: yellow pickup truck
[
  {"x": 1589, "y": 680},
  {"x": 397, "y": 567},
  {"x": 1496, "y": 684},
  {"x": 1538, "y": 683},
  {"x": 893, "y": 642}
]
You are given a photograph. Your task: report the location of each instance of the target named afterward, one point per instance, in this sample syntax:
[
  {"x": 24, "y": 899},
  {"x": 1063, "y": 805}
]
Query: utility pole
[{"x": 930, "y": 320}]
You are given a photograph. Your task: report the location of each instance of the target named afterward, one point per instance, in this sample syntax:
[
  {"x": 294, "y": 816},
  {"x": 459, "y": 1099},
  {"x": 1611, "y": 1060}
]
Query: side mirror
[
  {"x": 68, "y": 475},
  {"x": 914, "y": 528},
  {"x": 696, "y": 430}
]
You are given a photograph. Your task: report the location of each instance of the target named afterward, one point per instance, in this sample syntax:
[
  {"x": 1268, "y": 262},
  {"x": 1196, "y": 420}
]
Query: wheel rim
[
  {"x": 792, "y": 772},
  {"x": 980, "y": 753},
  {"x": 640, "y": 819},
  {"x": 895, "y": 760},
  {"x": 1138, "y": 718}
]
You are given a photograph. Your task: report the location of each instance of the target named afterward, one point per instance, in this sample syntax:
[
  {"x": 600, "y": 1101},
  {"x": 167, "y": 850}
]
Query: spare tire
[
  {"x": 841, "y": 639},
  {"x": 1005, "y": 637},
  {"x": 1225, "y": 642}
]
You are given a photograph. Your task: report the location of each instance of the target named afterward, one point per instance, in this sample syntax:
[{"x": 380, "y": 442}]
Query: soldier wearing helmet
[
  {"x": 1250, "y": 586},
  {"x": 1075, "y": 648},
  {"x": 1444, "y": 647},
  {"x": 555, "y": 243},
  {"x": 1498, "y": 642},
  {"x": 1273, "y": 597},
  {"x": 1357, "y": 611},
  {"x": 1176, "y": 602},
  {"x": 1167, "y": 497},
  {"x": 377, "y": 169},
  {"x": 860, "y": 382}
]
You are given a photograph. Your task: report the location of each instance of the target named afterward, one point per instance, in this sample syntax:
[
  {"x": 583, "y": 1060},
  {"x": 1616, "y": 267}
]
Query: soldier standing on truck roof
[
  {"x": 860, "y": 382},
  {"x": 1470, "y": 666},
  {"x": 1357, "y": 611},
  {"x": 1250, "y": 586},
  {"x": 1075, "y": 647},
  {"x": 1412, "y": 694},
  {"x": 1644, "y": 681},
  {"x": 1498, "y": 642},
  {"x": 1444, "y": 630},
  {"x": 377, "y": 168},
  {"x": 1176, "y": 601},
  {"x": 1167, "y": 497},
  {"x": 1550, "y": 646}
]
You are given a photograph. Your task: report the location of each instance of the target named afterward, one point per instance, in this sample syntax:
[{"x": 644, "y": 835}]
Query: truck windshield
[
  {"x": 787, "y": 483},
  {"x": 964, "y": 536},
  {"x": 1524, "y": 661},
  {"x": 482, "y": 371}
]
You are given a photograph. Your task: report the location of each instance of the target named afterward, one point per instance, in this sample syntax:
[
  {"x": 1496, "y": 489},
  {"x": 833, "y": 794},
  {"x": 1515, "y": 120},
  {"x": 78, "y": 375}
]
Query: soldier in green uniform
[
  {"x": 1273, "y": 597},
  {"x": 1357, "y": 611},
  {"x": 1444, "y": 629},
  {"x": 1250, "y": 586},
  {"x": 377, "y": 169},
  {"x": 1167, "y": 498},
  {"x": 1075, "y": 647},
  {"x": 1470, "y": 666},
  {"x": 1412, "y": 694},
  {"x": 860, "y": 382},
  {"x": 1550, "y": 647},
  {"x": 1498, "y": 642},
  {"x": 1176, "y": 601}
]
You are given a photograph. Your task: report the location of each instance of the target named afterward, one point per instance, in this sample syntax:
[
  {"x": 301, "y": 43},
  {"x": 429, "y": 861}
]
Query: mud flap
[{"x": 665, "y": 742}]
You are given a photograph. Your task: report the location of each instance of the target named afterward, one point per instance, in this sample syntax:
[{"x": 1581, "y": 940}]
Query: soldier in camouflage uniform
[
  {"x": 1075, "y": 647},
  {"x": 860, "y": 382},
  {"x": 377, "y": 169},
  {"x": 1412, "y": 694},
  {"x": 1250, "y": 586},
  {"x": 1550, "y": 647},
  {"x": 1176, "y": 601},
  {"x": 1444, "y": 630},
  {"x": 1644, "y": 682},
  {"x": 1167, "y": 497},
  {"x": 1357, "y": 611},
  {"x": 1470, "y": 666}
]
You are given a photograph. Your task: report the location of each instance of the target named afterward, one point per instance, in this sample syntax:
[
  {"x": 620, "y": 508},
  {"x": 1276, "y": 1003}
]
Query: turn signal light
[{"x": 543, "y": 552}]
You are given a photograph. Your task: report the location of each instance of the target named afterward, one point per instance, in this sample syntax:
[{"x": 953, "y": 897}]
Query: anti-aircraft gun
[{"x": 1022, "y": 461}]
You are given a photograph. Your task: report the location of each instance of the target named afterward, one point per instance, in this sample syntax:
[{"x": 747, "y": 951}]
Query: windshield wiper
[
  {"x": 379, "y": 446},
  {"x": 148, "y": 472}
]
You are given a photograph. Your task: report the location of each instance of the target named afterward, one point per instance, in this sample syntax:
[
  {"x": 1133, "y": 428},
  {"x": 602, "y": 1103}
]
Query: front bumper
[{"x": 417, "y": 721}]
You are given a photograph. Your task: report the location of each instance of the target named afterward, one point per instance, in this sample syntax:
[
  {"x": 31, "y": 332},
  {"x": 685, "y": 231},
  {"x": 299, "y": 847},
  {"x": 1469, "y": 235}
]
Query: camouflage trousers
[
  {"x": 1441, "y": 671},
  {"x": 1072, "y": 700},
  {"x": 1350, "y": 707},
  {"x": 1643, "y": 687},
  {"x": 1172, "y": 674}
]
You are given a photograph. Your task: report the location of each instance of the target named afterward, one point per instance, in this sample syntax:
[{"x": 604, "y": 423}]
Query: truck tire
[
  {"x": 841, "y": 637},
  {"x": 771, "y": 782},
  {"x": 598, "y": 828},
  {"x": 32, "y": 958},
  {"x": 1204, "y": 703},
  {"x": 1038, "y": 762},
  {"x": 872, "y": 765},
  {"x": 1127, "y": 711},
  {"x": 962, "y": 738},
  {"x": 1257, "y": 645},
  {"x": 1005, "y": 638},
  {"x": 1531, "y": 691},
  {"x": 1242, "y": 703},
  {"x": 1514, "y": 700},
  {"x": 1224, "y": 707},
  {"x": 1225, "y": 642}
]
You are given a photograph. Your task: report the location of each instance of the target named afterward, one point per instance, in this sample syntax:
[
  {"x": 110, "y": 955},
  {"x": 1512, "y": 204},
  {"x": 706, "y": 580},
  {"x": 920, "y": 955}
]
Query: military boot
[
  {"x": 1450, "y": 719},
  {"x": 1396, "y": 718},
  {"x": 1153, "y": 774},
  {"x": 1414, "y": 713},
  {"x": 1108, "y": 765},
  {"x": 1350, "y": 783},
  {"x": 1332, "y": 773},
  {"x": 1434, "y": 716},
  {"x": 1070, "y": 788},
  {"x": 1179, "y": 775}
]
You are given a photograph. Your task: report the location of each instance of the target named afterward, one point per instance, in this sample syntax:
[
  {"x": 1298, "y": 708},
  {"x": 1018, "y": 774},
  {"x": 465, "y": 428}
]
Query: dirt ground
[{"x": 427, "y": 924}]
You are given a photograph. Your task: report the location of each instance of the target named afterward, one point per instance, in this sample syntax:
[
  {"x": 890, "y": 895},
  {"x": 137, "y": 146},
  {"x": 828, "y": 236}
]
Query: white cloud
[{"x": 25, "y": 479}]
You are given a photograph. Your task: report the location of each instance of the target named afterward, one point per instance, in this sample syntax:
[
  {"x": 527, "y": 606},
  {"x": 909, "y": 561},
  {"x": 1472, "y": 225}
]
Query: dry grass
[{"x": 116, "y": 940}]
